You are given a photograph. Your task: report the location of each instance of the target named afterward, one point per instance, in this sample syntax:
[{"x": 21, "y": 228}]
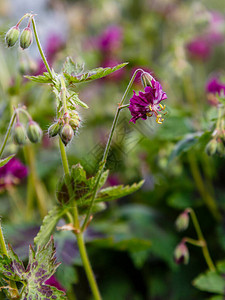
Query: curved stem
[
  {"x": 107, "y": 147},
  {"x": 40, "y": 49},
  {"x": 7, "y": 133},
  {"x": 201, "y": 238}
]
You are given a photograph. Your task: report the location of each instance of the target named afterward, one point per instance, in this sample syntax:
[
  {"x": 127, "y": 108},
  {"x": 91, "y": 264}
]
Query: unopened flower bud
[
  {"x": 146, "y": 79},
  {"x": 74, "y": 123},
  {"x": 34, "y": 132},
  {"x": 181, "y": 254},
  {"x": 19, "y": 134},
  {"x": 12, "y": 36},
  {"x": 182, "y": 221},
  {"x": 220, "y": 148},
  {"x": 211, "y": 147},
  {"x": 53, "y": 130},
  {"x": 66, "y": 134},
  {"x": 26, "y": 38}
]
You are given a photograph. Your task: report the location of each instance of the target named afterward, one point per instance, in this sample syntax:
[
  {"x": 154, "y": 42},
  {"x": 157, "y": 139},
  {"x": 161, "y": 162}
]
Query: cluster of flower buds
[
  {"x": 33, "y": 132},
  {"x": 216, "y": 145},
  {"x": 26, "y": 36},
  {"x": 66, "y": 126}
]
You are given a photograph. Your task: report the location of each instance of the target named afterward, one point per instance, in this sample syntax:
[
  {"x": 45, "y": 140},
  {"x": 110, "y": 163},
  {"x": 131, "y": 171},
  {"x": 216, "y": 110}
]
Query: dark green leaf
[
  {"x": 48, "y": 225},
  {"x": 5, "y": 160},
  {"x": 119, "y": 191},
  {"x": 73, "y": 77},
  {"x": 185, "y": 144},
  {"x": 210, "y": 282}
]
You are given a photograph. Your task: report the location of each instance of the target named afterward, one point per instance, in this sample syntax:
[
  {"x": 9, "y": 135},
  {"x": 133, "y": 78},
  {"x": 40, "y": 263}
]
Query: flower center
[{"x": 155, "y": 109}]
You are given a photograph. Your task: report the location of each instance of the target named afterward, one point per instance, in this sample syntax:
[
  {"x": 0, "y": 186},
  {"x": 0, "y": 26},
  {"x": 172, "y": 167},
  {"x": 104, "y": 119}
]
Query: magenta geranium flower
[
  {"x": 147, "y": 103},
  {"x": 12, "y": 173}
]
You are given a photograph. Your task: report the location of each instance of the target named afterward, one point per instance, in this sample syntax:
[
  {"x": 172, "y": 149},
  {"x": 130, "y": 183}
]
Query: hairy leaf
[
  {"x": 5, "y": 160},
  {"x": 119, "y": 191},
  {"x": 82, "y": 188},
  {"x": 44, "y": 78},
  {"x": 74, "y": 77},
  {"x": 48, "y": 225},
  {"x": 42, "y": 265}
]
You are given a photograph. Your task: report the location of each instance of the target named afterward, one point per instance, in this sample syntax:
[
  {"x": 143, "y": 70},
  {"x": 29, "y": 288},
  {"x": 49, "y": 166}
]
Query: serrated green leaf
[
  {"x": 210, "y": 282},
  {"x": 5, "y": 160},
  {"x": 72, "y": 68},
  {"x": 92, "y": 74},
  {"x": 48, "y": 225},
  {"x": 42, "y": 265},
  {"x": 119, "y": 191},
  {"x": 7, "y": 268},
  {"x": 44, "y": 78}
]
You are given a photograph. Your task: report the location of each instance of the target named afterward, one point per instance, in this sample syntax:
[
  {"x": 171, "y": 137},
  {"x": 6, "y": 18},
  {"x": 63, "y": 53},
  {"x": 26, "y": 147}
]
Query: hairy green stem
[
  {"x": 78, "y": 233},
  {"x": 107, "y": 147},
  {"x": 87, "y": 266},
  {"x": 201, "y": 238},
  {"x": 7, "y": 133},
  {"x": 40, "y": 49}
]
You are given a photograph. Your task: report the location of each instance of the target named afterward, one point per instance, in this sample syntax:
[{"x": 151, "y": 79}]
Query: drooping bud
[
  {"x": 146, "y": 79},
  {"x": 181, "y": 254},
  {"x": 53, "y": 130},
  {"x": 211, "y": 147},
  {"x": 12, "y": 36},
  {"x": 34, "y": 132},
  {"x": 19, "y": 134},
  {"x": 66, "y": 134},
  {"x": 26, "y": 38},
  {"x": 182, "y": 221}
]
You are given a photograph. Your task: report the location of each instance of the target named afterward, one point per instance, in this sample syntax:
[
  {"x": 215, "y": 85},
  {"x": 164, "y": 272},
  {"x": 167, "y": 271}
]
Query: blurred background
[{"x": 131, "y": 243}]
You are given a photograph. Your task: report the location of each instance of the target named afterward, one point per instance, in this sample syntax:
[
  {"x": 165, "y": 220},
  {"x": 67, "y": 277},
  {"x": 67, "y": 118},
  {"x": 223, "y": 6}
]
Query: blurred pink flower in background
[
  {"x": 110, "y": 40},
  {"x": 201, "y": 47},
  {"x": 53, "y": 45},
  {"x": 12, "y": 173}
]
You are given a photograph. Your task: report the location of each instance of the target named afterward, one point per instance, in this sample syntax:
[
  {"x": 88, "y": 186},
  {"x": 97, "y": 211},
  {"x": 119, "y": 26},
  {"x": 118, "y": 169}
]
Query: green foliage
[
  {"x": 210, "y": 282},
  {"x": 44, "y": 78},
  {"x": 5, "y": 160},
  {"x": 189, "y": 141},
  {"x": 75, "y": 74},
  {"x": 42, "y": 265},
  {"x": 48, "y": 225},
  {"x": 82, "y": 188}
]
